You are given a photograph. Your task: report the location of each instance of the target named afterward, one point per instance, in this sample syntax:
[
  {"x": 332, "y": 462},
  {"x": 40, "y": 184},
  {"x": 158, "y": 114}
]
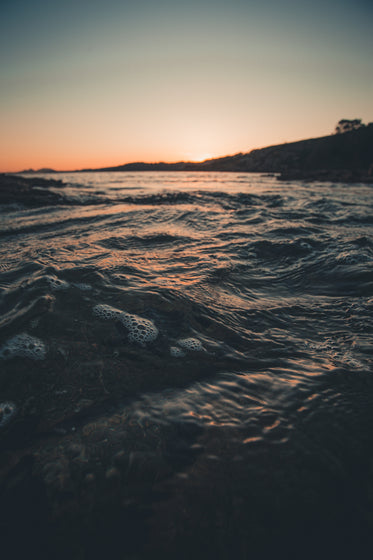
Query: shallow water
[{"x": 259, "y": 439}]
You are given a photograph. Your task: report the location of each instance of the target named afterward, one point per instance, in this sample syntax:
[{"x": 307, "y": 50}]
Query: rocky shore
[
  {"x": 330, "y": 175},
  {"x": 33, "y": 191}
]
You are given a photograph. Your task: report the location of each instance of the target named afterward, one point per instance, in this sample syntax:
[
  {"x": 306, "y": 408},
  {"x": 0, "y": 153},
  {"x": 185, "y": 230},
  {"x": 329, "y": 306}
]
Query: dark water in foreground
[{"x": 256, "y": 444}]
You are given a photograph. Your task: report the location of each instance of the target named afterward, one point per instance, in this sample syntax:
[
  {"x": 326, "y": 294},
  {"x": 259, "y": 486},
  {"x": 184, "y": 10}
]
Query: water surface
[{"x": 259, "y": 439}]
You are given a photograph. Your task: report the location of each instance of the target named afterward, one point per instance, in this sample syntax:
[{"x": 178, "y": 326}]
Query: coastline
[
  {"x": 328, "y": 175},
  {"x": 345, "y": 158}
]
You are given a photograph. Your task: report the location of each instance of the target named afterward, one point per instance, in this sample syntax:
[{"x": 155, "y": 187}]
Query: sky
[{"x": 92, "y": 83}]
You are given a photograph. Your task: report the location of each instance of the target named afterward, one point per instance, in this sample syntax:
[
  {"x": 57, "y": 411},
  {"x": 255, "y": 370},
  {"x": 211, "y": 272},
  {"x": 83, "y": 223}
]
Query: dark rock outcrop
[{"x": 30, "y": 191}]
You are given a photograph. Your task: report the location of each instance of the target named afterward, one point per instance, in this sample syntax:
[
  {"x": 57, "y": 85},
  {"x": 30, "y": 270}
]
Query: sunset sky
[{"x": 91, "y": 83}]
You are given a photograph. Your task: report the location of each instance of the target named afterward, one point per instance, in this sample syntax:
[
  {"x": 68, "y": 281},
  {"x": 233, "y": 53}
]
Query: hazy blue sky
[{"x": 94, "y": 83}]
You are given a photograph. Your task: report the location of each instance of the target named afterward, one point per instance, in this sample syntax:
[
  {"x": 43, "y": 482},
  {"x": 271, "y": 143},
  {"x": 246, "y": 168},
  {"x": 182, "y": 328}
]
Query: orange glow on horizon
[
  {"x": 69, "y": 148},
  {"x": 202, "y": 157},
  {"x": 68, "y": 162}
]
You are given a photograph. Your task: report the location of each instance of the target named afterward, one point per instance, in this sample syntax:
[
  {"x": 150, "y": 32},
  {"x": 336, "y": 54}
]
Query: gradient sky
[{"x": 91, "y": 83}]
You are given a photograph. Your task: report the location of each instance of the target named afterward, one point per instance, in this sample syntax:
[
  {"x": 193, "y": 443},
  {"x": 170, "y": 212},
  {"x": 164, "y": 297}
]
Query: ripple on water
[{"x": 230, "y": 401}]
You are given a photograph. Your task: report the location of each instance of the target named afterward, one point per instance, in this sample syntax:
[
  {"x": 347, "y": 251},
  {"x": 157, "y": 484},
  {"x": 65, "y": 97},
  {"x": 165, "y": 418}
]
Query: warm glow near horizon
[
  {"x": 98, "y": 84},
  {"x": 201, "y": 157}
]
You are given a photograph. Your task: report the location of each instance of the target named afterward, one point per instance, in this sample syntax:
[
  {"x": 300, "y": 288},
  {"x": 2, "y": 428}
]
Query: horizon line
[
  {"x": 113, "y": 168},
  {"x": 159, "y": 162}
]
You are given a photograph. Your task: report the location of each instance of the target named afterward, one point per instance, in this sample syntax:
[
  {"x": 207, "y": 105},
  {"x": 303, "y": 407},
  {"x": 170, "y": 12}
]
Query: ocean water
[{"x": 186, "y": 368}]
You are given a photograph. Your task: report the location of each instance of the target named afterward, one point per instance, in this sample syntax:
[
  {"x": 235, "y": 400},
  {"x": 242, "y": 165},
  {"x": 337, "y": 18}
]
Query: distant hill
[
  {"x": 346, "y": 157},
  {"x": 42, "y": 170}
]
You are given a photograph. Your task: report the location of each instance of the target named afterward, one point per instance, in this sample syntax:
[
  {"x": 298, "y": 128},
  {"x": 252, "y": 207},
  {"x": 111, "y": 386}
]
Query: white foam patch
[
  {"x": 176, "y": 352},
  {"x": 191, "y": 344},
  {"x": 140, "y": 330},
  {"x": 7, "y": 411},
  {"x": 106, "y": 312},
  {"x": 57, "y": 284},
  {"x": 23, "y": 346}
]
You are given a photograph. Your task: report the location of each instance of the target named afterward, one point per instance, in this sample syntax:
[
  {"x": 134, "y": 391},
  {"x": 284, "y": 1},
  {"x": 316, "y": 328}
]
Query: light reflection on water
[{"x": 273, "y": 279}]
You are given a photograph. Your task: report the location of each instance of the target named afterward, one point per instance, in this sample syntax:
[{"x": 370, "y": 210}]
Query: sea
[{"x": 186, "y": 368}]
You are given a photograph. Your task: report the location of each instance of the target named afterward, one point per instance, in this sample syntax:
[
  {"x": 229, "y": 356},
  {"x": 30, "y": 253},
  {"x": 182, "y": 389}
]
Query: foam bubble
[
  {"x": 140, "y": 330},
  {"x": 106, "y": 312},
  {"x": 7, "y": 411},
  {"x": 176, "y": 352},
  {"x": 57, "y": 284},
  {"x": 192, "y": 344},
  {"x": 23, "y": 346}
]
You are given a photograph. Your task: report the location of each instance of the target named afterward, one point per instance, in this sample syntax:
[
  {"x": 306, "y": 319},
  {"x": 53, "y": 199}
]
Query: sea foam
[
  {"x": 140, "y": 330},
  {"x": 191, "y": 344},
  {"x": 57, "y": 284},
  {"x": 23, "y": 346}
]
